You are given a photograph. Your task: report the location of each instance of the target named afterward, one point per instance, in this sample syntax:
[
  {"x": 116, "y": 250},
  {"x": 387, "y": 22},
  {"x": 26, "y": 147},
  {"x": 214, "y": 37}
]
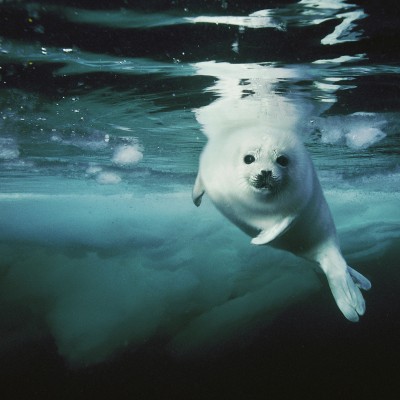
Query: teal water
[{"x": 111, "y": 280}]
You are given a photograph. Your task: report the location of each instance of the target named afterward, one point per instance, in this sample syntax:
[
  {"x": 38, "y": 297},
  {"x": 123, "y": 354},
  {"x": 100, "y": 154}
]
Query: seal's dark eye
[
  {"x": 283, "y": 161},
  {"x": 249, "y": 159}
]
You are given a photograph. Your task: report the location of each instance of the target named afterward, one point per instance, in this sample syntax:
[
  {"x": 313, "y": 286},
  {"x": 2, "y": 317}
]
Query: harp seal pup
[{"x": 266, "y": 184}]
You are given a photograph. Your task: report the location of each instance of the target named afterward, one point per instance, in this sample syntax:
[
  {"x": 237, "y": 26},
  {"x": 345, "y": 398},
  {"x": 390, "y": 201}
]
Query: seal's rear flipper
[
  {"x": 348, "y": 296},
  {"x": 198, "y": 191},
  {"x": 360, "y": 280},
  {"x": 345, "y": 284}
]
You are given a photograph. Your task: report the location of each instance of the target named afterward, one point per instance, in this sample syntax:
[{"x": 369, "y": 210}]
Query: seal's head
[{"x": 256, "y": 166}]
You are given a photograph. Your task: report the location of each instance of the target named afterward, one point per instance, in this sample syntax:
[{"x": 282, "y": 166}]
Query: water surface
[{"x": 111, "y": 280}]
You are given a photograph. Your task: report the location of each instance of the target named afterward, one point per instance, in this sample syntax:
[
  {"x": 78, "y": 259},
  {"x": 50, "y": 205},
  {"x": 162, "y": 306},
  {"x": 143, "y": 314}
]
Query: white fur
[{"x": 291, "y": 215}]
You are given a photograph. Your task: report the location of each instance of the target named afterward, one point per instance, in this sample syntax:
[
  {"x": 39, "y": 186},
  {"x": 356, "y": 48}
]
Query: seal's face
[{"x": 265, "y": 170}]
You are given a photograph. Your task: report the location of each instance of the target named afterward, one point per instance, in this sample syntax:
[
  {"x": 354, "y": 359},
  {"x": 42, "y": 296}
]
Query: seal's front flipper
[
  {"x": 268, "y": 235},
  {"x": 198, "y": 191}
]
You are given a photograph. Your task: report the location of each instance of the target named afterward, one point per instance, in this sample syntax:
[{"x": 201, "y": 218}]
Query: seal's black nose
[
  {"x": 266, "y": 174},
  {"x": 262, "y": 179}
]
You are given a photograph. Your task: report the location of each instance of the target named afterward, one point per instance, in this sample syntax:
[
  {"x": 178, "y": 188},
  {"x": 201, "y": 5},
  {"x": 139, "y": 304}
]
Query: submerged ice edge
[
  {"x": 115, "y": 218},
  {"x": 155, "y": 265}
]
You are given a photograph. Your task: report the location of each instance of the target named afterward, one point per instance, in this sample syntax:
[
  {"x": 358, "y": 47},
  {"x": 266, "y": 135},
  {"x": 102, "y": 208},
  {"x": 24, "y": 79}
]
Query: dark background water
[{"x": 306, "y": 351}]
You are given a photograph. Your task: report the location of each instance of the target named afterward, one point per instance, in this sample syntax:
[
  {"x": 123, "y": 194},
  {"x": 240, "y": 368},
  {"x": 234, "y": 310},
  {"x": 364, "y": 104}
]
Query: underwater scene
[{"x": 112, "y": 282}]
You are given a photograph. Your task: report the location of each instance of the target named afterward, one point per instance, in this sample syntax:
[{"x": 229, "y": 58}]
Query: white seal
[{"x": 266, "y": 184}]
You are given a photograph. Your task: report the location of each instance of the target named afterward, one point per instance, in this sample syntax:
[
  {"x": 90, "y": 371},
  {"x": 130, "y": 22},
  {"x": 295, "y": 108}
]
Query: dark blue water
[{"x": 111, "y": 282}]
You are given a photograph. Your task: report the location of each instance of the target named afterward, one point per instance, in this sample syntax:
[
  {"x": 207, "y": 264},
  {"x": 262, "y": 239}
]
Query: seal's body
[{"x": 266, "y": 184}]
